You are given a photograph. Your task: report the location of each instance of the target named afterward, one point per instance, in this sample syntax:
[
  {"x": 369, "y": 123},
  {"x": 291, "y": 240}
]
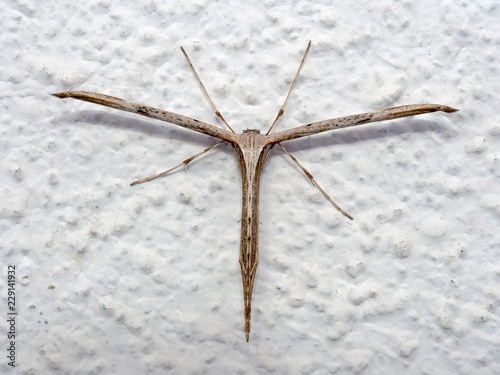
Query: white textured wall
[{"x": 113, "y": 279}]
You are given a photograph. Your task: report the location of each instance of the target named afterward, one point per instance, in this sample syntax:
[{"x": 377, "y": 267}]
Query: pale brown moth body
[{"x": 252, "y": 150}]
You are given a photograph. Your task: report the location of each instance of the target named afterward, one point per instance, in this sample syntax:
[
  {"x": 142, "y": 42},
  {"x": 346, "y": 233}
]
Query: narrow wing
[
  {"x": 144, "y": 110},
  {"x": 363, "y": 118}
]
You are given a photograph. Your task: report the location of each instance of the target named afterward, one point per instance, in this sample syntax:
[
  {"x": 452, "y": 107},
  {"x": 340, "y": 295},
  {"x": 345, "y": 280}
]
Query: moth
[{"x": 252, "y": 150}]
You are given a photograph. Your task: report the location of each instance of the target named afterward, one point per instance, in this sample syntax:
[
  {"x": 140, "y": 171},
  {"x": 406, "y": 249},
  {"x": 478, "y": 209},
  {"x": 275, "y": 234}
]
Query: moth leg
[
  {"x": 313, "y": 181},
  {"x": 185, "y": 163}
]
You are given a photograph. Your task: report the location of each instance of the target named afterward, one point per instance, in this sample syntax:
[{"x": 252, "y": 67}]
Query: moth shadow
[
  {"x": 150, "y": 128},
  {"x": 391, "y": 129}
]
